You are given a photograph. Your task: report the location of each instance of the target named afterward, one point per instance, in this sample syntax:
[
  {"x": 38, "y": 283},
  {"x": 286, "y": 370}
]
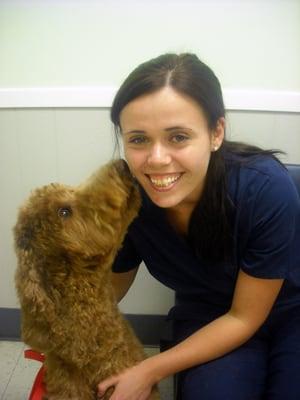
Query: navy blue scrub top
[{"x": 266, "y": 229}]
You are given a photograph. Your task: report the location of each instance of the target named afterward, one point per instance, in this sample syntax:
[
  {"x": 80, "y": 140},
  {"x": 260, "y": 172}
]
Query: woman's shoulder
[
  {"x": 257, "y": 169},
  {"x": 260, "y": 175},
  {"x": 260, "y": 165}
]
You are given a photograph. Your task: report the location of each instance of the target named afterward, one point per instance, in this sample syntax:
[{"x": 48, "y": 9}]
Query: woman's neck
[{"x": 179, "y": 218}]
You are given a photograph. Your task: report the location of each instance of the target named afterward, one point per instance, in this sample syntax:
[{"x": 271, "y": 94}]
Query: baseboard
[
  {"x": 149, "y": 328},
  {"x": 10, "y": 323}
]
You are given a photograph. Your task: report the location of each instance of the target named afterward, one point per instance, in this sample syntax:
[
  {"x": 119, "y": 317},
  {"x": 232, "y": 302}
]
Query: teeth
[{"x": 165, "y": 181}]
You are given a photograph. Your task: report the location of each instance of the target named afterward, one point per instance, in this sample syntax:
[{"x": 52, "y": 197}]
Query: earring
[{"x": 215, "y": 148}]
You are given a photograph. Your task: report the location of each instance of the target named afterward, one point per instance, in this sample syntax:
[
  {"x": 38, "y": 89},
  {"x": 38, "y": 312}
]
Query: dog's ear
[
  {"x": 24, "y": 236},
  {"x": 38, "y": 309},
  {"x": 32, "y": 291},
  {"x": 25, "y": 231},
  {"x": 29, "y": 281},
  {"x": 35, "y": 291}
]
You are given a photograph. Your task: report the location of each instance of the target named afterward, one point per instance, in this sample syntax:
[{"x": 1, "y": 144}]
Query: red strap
[
  {"x": 38, "y": 389},
  {"x": 34, "y": 355}
]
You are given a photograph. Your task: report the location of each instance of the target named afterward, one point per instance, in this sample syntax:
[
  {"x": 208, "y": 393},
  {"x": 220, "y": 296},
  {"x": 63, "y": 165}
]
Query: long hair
[{"x": 210, "y": 226}]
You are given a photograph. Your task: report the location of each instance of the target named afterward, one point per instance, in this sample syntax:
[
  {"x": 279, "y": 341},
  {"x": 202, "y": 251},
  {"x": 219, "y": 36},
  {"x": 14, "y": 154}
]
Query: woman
[{"x": 219, "y": 224}]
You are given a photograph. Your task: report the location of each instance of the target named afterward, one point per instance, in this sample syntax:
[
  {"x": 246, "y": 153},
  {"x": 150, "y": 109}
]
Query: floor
[{"x": 17, "y": 374}]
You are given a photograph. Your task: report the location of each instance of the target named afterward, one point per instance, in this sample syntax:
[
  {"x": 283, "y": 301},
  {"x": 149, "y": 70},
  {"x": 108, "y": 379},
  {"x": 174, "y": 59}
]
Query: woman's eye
[
  {"x": 137, "y": 140},
  {"x": 64, "y": 212},
  {"x": 179, "y": 138}
]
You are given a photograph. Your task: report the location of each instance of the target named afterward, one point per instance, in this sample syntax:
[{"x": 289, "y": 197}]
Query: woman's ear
[{"x": 218, "y": 134}]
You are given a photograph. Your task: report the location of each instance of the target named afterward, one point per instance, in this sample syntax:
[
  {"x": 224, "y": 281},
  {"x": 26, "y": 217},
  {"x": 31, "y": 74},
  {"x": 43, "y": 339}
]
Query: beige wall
[{"x": 38, "y": 146}]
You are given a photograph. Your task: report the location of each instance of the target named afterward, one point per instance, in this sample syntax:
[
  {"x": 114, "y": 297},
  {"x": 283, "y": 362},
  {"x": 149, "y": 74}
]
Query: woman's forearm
[
  {"x": 212, "y": 341},
  {"x": 121, "y": 282},
  {"x": 252, "y": 301},
  {"x": 251, "y": 304}
]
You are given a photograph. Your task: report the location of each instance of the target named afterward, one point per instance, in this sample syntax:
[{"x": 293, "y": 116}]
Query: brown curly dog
[{"x": 66, "y": 240}]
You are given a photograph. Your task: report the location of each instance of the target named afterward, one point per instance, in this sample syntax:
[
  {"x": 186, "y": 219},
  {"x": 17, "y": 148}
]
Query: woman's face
[{"x": 167, "y": 145}]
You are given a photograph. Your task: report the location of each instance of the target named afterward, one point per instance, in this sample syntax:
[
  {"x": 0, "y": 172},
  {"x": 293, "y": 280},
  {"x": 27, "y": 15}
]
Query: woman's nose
[{"x": 158, "y": 155}]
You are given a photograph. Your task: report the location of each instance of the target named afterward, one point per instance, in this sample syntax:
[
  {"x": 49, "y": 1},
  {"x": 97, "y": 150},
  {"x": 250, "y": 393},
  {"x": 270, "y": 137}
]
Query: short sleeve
[
  {"x": 127, "y": 258},
  {"x": 271, "y": 215}
]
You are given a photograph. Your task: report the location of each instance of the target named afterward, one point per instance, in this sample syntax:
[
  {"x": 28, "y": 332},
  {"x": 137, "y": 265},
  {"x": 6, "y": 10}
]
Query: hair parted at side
[{"x": 210, "y": 232}]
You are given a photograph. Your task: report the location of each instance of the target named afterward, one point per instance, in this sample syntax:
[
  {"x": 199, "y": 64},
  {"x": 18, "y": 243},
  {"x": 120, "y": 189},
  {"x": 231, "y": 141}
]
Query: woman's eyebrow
[
  {"x": 134, "y": 131},
  {"x": 169, "y": 129},
  {"x": 176, "y": 128}
]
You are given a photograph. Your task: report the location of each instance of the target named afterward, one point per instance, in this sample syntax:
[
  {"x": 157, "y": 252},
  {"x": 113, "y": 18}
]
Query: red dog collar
[{"x": 38, "y": 387}]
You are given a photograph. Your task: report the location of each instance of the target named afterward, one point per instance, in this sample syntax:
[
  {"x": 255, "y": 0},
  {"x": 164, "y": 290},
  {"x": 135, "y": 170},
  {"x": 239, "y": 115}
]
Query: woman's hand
[{"x": 132, "y": 384}]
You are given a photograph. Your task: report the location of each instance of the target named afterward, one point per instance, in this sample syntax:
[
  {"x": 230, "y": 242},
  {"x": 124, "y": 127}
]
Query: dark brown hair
[{"x": 210, "y": 233}]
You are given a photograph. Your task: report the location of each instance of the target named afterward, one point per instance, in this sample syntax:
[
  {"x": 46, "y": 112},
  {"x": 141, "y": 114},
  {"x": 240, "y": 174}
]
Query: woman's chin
[{"x": 163, "y": 199}]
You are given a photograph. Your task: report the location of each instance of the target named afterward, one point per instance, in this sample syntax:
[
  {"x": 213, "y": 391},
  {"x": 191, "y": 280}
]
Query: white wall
[
  {"x": 49, "y": 43},
  {"x": 249, "y": 43}
]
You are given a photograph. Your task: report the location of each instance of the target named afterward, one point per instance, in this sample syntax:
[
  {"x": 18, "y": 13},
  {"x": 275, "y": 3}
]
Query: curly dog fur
[{"x": 66, "y": 240}]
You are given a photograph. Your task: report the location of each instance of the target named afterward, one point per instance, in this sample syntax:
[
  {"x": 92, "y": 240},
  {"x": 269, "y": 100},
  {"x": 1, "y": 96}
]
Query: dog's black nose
[{"x": 122, "y": 167}]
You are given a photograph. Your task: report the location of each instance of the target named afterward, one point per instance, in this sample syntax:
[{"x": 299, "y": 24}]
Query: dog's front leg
[{"x": 65, "y": 381}]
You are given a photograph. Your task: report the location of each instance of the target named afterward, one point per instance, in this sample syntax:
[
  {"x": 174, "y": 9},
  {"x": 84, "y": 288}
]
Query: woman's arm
[
  {"x": 122, "y": 281},
  {"x": 252, "y": 302}
]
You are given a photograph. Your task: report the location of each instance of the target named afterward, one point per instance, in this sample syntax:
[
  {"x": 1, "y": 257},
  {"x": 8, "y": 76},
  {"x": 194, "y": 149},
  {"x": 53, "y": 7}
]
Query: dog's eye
[{"x": 64, "y": 212}]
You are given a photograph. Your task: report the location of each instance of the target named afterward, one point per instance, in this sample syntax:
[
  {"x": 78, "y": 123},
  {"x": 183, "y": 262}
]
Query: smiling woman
[
  {"x": 217, "y": 227},
  {"x": 195, "y": 84},
  {"x": 168, "y": 144}
]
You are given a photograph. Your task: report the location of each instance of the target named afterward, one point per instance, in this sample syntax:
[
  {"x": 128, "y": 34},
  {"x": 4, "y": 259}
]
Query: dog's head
[{"x": 82, "y": 226}]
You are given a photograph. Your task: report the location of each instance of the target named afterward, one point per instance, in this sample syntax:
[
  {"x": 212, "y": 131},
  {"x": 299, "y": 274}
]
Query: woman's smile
[{"x": 163, "y": 182}]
